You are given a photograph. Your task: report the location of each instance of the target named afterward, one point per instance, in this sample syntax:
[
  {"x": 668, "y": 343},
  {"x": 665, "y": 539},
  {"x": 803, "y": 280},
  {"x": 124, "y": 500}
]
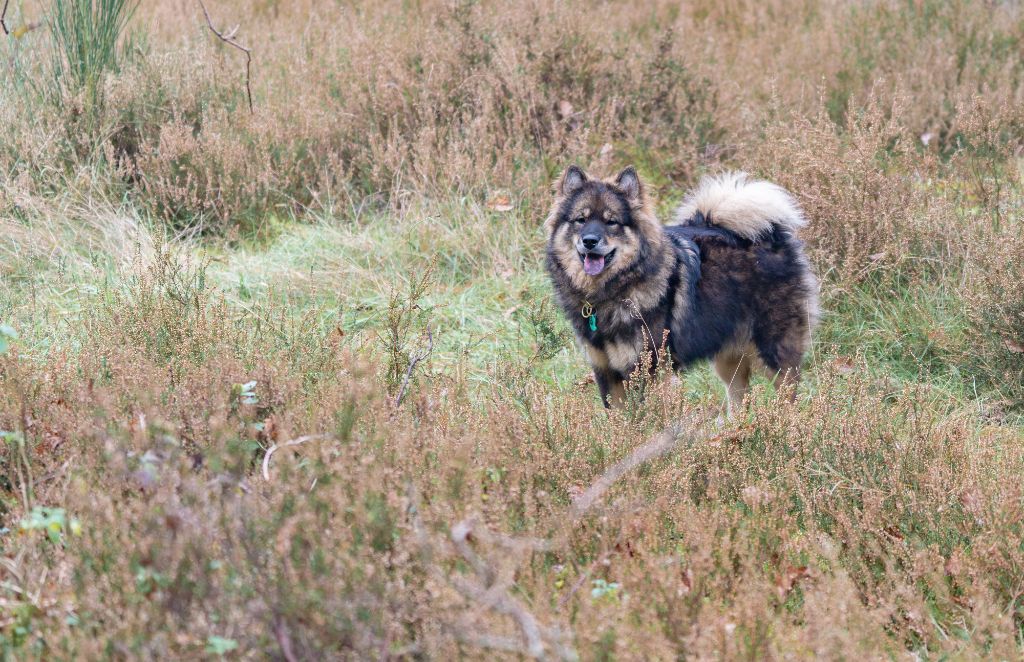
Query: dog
[{"x": 728, "y": 280}]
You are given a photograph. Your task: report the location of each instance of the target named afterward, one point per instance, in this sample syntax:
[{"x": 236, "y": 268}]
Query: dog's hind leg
[
  {"x": 733, "y": 369},
  {"x": 782, "y": 355},
  {"x": 617, "y": 393}
]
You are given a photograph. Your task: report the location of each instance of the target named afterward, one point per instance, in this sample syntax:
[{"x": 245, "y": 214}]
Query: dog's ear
[
  {"x": 572, "y": 180},
  {"x": 629, "y": 183}
]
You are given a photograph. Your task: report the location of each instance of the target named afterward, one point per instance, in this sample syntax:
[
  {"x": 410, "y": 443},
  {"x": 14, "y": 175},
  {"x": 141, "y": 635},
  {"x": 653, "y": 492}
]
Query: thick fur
[
  {"x": 728, "y": 282},
  {"x": 750, "y": 208}
]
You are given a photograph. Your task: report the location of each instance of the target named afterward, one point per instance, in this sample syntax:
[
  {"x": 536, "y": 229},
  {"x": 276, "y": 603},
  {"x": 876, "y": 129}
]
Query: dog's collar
[{"x": 588, "y": 313}]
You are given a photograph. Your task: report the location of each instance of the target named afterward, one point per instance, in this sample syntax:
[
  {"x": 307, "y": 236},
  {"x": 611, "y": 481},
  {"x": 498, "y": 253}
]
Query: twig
[
  {"x": 536, "y": 639},
  {"x": 229, "y": 39},
  {"x": 294, "y": 442},
  {"x": 3, "y": 17},
  {"x": 482, "y": 588},
  {"x": 412, "y": 366},
  {"x": 489, "y": 641},
  {"x": 501, "y": 602},
  {"x": 514, "y": 544},
  {"x": 27, "y": 488},
  {"x": 284, "y": 640},
  {"x": 564, "y": 600},
  {"x": 661, "y": 444},
  {"x": 460, "y": 538},
  {"x": 634, "y": 312},
  {"x": 53, "y": 474}
]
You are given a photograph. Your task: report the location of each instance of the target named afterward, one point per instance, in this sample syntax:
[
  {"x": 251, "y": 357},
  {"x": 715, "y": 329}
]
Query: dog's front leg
[{"x": 612, "y": 387}]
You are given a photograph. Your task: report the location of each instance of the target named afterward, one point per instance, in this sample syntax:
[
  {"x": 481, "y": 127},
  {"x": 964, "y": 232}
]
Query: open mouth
[{"x": 594, "y": 263}]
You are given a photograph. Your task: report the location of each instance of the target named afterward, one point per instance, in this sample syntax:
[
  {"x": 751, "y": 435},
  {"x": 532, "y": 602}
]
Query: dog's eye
[
  {"x": 579, "y": 220},
  {"x": 613, "y": 223}
]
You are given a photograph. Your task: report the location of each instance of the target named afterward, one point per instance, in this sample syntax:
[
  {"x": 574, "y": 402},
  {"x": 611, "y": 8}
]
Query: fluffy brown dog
[{"x": 728, "y": 281}]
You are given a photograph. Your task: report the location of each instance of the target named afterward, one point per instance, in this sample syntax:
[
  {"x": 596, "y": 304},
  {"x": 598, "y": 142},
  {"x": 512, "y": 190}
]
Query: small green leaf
[
  {"x": 220, "y": 645},
  {"x": 246, "y": 393},
  {"x": 51, "y": 521},
  {"x": 7, "y": 336},
  {"x": 605, "y": 590}
]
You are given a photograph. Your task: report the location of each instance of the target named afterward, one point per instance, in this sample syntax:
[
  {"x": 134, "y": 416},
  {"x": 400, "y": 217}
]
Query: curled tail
[{"x": 748, "y": 207}]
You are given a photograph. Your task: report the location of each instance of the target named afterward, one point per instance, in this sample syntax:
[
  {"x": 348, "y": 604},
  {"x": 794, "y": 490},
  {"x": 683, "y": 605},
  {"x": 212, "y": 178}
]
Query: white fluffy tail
[{"x": 747, "y": 207}]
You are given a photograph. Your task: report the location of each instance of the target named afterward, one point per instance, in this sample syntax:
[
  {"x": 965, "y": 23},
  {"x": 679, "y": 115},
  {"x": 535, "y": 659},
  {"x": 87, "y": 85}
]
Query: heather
[{"x": 289, "y": 383}]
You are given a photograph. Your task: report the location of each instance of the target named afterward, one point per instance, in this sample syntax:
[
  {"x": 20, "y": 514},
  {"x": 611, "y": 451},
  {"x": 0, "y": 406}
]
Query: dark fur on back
[
  {"x": 745, "y": 298},
  {"x": 742, "y": 282}
]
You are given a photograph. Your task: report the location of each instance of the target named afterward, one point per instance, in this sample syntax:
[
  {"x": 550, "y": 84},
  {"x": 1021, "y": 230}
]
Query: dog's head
[{"x": 597, "y": 229}]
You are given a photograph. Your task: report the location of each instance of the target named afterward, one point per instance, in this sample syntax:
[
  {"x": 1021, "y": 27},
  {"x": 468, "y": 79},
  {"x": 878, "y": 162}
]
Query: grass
[
  {"x": 782, "y": 498},
  {"x": 292, "y": 384},
  {"x": 765, "y": 497},
  {"x": 87, "y": 34}
]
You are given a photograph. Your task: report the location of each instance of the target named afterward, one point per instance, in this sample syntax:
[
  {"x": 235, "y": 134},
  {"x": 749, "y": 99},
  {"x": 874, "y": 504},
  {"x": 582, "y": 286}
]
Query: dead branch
[
  {"x": 27, "y": 486},
  {"x": 488, "y": 594},
  {"x": 484, "y": 590},
  {"x": 501, "y": 602},
  {"x": 229, "y": 39},
  {"x": 412, "y": 366},
  {"x": 3, "y": 17},
  {"x": 294, "y": 442},
  {"x": 514, "y": 544},
  {"x": 661, "y": 444},
  {"x": 284, "y": 640},
  {"x": 460, "y": 538},
  {"x": 489, "y": 641}
]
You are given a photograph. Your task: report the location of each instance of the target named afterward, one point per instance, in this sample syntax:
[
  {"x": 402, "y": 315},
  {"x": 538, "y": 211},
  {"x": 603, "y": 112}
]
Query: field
[{"x": 288, "y": 382}]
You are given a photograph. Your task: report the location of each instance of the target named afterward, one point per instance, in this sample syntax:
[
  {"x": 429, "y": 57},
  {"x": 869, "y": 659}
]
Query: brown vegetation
[{"x": 356, "y": 264}]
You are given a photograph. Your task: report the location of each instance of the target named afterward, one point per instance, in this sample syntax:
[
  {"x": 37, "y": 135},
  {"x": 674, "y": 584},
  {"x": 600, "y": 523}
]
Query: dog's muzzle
[{"x": 594, "y": 253}]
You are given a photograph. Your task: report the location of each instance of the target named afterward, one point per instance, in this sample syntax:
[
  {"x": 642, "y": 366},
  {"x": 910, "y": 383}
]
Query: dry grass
[{"x": 289, "y": 384}]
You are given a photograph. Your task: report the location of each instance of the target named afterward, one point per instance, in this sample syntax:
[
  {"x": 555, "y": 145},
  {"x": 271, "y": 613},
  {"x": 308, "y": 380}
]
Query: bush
[
  {"x": 510, "y": 97},
  {"x": 200, "y": 441},
  {"x": 995, "y": 352}
]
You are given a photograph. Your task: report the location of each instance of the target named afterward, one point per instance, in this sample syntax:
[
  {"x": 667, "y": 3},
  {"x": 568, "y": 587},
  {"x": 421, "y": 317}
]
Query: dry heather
[
  {"x": 867, "y": 518},
  {"x": 288, "y": 384}
]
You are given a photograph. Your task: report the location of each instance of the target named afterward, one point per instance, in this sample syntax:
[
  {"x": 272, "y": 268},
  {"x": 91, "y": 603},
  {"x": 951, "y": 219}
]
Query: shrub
[
  {"x": 200, "y": 444},
  {"x": 995, "y": 352}
]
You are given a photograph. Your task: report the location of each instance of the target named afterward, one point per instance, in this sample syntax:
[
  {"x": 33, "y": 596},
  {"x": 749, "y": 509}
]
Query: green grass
[
  {"x": 220, "y": 445},
  {"x": 488, "y": 306},
  {"x": 88, "y": 38},
  {"x": 488, "y": 277},
  {"x": 899, "y": 329}
]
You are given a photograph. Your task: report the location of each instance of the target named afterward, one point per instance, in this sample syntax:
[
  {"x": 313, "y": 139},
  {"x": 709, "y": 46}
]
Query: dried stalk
[
  {"x": 3, "y": 17},
  {"x": 284, "y": 640},
  {"x": 294, "y": 442},
  {"x": 486, "y": 592},
  {"x": 489, "y": 641},
  {"x": 229, "y": 39},
  {"x": 27, "y": 486},
  {"x": 537, "y": 640},
  {"x": 661, "y": 444},
  {"x": 412, "y": 366}
]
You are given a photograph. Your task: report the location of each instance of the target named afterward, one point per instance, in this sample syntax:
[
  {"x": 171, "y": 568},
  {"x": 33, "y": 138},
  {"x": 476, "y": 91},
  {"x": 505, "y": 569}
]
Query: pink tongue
[{"x": 593, "y": 264}]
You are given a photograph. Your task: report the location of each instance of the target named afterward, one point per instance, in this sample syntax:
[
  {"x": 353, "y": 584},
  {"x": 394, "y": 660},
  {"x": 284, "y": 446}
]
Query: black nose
[{"x": 591, "y": 241}]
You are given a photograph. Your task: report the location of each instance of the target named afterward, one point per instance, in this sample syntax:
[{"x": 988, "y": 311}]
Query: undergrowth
[{"x": 291, "y": 384}]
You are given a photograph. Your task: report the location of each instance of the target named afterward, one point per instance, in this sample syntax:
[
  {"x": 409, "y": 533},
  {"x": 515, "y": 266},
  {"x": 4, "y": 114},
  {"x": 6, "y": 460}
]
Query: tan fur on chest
[
  {"x": 621, "y": 356},
  {"x": 597, "y": 358}
]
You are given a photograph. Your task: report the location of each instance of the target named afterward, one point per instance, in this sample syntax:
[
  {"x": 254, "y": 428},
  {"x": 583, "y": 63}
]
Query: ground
[{"x": 290, "y": 383}]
